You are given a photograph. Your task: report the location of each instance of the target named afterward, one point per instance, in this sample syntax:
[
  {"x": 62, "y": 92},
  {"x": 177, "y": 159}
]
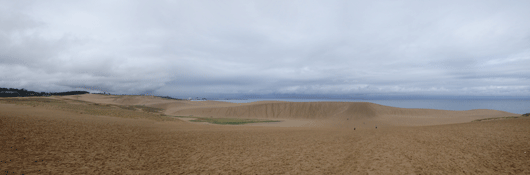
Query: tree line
[{"x": 13, "y": 92}]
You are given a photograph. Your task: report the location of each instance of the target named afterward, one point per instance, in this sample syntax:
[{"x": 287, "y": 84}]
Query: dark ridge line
[{"x": 13, "y": 92}]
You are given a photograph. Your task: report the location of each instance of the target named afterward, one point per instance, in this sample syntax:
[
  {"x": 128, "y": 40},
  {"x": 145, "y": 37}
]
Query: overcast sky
[{"x": 205, "y": 48}]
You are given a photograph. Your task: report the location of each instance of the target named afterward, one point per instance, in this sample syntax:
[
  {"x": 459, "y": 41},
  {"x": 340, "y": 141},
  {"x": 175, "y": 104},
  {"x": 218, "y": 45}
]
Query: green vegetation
[
  {"x": 185, "y": 117},
  {"x": 132, "y": 108},
  {"x": 29, "y": 101},
  {"x": 230, "y": 121},
  {"x": 148, "y": 109},
  {"x": 83, "y": 107},
  {"x": 499, "y": 118},
  {"x": 136, "y": 111},
  {"x": 141, "y": 107}
]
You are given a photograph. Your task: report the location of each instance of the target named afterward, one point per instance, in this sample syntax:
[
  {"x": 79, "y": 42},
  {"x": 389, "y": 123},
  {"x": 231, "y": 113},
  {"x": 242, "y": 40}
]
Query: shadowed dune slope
[
  {"x": 337, "y": 111},
  {"x": 297, "y": 110},
  {"x": 332, "y": 111}
]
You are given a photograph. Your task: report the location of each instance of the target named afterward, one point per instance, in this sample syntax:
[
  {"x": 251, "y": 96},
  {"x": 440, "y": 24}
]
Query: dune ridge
[
  {"x": 341, "y": 111},
  {"x": 322, "y": 111},
  {"x": 45, "y": 139}
]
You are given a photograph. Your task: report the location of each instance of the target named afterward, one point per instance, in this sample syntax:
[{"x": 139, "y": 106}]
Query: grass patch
[
  {"x": 141, "y": 107},
  {"x": 230, "y": 121},
  {"x": 185, "y": 117},
  {"x": 148, "y": 109},
  {"x": 92, "y": 108},
  {"x": 132, "y": 108},
  {"x": 499, "y": 118},
  {"x": 29, "y": 101}
]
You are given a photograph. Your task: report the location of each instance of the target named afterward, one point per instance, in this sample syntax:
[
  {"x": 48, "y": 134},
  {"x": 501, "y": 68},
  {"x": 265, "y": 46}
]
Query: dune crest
[
  {"x": 344, "y": 111},
  {"x": 296, "y": 110},
  {"x": 352, "y": 112}
]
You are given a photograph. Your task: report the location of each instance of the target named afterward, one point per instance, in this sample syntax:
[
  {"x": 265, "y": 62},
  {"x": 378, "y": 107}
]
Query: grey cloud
[{"x": 317, "y": 47}]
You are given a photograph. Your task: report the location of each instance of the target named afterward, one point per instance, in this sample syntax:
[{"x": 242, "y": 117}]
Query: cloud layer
[{"x": 190, "y": 48}]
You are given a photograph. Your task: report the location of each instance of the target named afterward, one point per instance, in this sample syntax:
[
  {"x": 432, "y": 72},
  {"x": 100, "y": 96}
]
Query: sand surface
[{"x": 46, "y": 140}]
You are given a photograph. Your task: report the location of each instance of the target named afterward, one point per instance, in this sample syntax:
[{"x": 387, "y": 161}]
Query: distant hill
[{"x": 12, "y": 92}]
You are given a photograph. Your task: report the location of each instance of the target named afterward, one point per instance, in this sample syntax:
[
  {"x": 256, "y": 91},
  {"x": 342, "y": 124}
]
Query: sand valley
[{"x": 102, "y": 134}]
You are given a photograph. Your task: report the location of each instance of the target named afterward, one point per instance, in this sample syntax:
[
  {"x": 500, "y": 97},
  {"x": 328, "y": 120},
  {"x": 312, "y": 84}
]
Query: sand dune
[
  {"x": 343, "y": 111},
  {"x": 348, "y": 114},
  {"x": 167, "y": 104},
  {"x": 42, "y": 140}
]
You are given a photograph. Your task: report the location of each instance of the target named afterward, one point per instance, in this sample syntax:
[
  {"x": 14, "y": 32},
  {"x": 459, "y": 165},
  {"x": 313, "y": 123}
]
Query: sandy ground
[{"x": 41, "y": 140}]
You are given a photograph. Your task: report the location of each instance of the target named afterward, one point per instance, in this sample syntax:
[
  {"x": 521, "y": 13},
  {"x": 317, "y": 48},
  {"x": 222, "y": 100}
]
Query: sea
[{"x": 517, "y": 106}]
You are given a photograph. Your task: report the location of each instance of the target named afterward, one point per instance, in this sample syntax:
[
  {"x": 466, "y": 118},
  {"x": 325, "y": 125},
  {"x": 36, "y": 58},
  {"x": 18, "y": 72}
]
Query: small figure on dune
[
  {"x": 376, "y": 127},
  {"x": 354, "y": 128}
]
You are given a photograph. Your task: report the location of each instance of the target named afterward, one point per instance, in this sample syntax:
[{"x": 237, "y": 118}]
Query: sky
[{"x": 301, "y": 48}]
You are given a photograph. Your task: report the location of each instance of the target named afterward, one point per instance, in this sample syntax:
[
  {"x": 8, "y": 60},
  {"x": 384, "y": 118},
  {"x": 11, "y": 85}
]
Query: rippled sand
[{"x": 48, "y": 140}]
